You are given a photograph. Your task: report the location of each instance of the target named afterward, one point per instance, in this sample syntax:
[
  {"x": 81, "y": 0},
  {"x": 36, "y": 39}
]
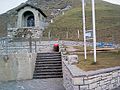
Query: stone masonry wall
[{"x": 76, "y": 79}]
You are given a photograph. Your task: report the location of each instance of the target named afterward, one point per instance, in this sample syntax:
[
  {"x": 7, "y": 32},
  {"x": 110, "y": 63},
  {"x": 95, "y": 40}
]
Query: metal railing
[{"x": 22, "y": 45}]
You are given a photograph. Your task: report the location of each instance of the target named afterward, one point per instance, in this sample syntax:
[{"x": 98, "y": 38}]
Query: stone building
[{"x": 29, "y": 18}]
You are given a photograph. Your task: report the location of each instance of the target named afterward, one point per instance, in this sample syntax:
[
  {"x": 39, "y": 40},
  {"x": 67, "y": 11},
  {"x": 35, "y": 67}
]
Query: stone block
[
  {"x": 119, "y": 81},
  {"x": 78, "y": 81},
  {"x": 64, "y": 57},
  {"x": 98, "y": 88},
  {"x": 107, "y": 78},
  {"x": 118, "y": 71},
  {"x": 84, "y": 87},
  {"x": 75, "y": 87},
  {"x": 115, "y": 74},
  {"x": 62, "y": 49},
  {"x": 72, "y": 59},
  {"x": 110, "y": 86},
  {"x": 103, "y": 82},
  {"x": 113, "y": 81},
  {"x": 93, "y": 85},
  {"x": 115, "y": 85},
  {"x": 94, "y": 76},
  {"x": 105, "y": 74},
  {"x": 91, "y": 80},
  {"x": 105, "y": 87}
]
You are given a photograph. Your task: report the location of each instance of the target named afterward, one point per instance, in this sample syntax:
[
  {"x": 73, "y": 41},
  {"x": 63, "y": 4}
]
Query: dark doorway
[{"x": 30, "y": 21}]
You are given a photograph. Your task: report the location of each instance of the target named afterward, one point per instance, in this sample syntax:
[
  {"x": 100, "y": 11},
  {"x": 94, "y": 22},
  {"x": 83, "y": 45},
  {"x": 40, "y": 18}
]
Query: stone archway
[{"x": 28, "y": 19}]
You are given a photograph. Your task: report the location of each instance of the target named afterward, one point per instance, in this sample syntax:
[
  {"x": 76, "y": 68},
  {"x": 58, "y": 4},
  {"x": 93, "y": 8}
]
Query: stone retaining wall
[
  {"x": 17, "y": 66},
  {"x": 76, "y": 79}
]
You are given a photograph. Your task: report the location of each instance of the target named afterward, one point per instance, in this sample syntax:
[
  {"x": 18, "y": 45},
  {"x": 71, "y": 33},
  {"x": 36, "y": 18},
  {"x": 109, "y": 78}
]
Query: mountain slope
[
  {"x": 67, "y": 25},
  {"x": 107, "y": 22},
  {"x": 9, "y": 18}
]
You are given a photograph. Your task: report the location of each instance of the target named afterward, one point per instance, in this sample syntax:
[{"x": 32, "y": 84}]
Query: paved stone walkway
[
  {"x": 117, "y": 88},
  {"x": 36, "y": 84}
]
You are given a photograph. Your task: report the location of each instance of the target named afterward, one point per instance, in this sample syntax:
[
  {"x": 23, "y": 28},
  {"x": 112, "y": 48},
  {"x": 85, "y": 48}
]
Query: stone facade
[
  {"x": 39, "y": 18},
  {"x": 29, "y": 17},
  {"x": 76, "y": 79}
]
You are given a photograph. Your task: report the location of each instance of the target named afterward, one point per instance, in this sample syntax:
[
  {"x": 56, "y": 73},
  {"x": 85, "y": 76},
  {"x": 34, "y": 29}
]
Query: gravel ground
[{"x": 36, "y": 84}]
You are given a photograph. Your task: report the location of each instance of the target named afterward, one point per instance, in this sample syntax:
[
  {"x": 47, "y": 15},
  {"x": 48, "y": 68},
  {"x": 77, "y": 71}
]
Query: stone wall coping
[
  {"x": 77, "y": 72},
  {"x": 74, "y": 70},
  {"x": 101, "y": 71}
]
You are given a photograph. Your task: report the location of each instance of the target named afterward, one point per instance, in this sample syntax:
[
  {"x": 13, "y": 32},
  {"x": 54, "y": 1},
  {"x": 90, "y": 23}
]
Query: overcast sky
[
  {"x": 113, "y": 1},
  {"x": 6, "y": 5}
]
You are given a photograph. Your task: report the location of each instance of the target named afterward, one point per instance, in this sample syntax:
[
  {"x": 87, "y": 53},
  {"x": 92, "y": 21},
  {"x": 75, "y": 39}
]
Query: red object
[
  {"x": 55, "y": 39},
  {"x": 56, "y": 47}
]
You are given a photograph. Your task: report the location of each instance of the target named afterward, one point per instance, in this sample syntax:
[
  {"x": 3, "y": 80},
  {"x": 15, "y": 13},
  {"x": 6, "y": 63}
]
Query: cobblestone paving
[{"x": 37, "y": 84}]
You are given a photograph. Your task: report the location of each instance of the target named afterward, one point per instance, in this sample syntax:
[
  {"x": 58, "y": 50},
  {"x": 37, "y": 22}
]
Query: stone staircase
[{"x": 48, "y": 65}]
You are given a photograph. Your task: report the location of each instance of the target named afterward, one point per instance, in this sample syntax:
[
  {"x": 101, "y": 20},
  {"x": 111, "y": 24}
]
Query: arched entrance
[{"x": 28, "y": 19}]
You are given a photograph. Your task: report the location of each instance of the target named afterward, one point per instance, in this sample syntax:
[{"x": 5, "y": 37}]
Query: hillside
[
  {"x": 66, "y": 26},
  {"x": 47, "y": 6},
  {"x": 107, "y": 23}
]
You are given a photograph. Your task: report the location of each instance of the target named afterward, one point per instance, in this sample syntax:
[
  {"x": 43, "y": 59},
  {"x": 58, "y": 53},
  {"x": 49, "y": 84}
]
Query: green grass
[
  {"x": 107, "y": 21},
  {"x": 104, "y": 60}
]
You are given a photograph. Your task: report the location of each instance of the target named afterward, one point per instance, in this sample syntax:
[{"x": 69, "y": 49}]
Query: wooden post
[
  {"x": 30, "y": 43},
  {"x": 35, "y": 47},
  {"x": 67, "y": 35},
  {"x": 49, "y": 34},
  {"x": 78, "y": 34}
]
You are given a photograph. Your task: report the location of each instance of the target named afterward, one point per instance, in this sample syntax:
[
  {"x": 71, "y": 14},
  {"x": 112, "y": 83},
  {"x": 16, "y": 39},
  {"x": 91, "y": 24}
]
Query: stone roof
[{"x": 25, "y": 5}]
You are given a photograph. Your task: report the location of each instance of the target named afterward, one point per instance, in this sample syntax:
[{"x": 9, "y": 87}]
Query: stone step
[
  {"x": 51, "y": 57},
  {"x": 47, "y": 76},
  {"x": 48, "y": 55},
  {"x": 48, "y": 70},
  {"x": 46, "y": 60},
  {"x": 49, "y": 62},
  {"x": 47, "y": 73},
  {"x": 39, "y": 68},
  {"x": 47, "y": 65}
]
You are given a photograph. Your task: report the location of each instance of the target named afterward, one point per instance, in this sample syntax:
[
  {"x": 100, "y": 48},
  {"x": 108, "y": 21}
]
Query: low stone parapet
[
  {"x": 17, "y": 66},
  {"x": 77, "y": 79}
]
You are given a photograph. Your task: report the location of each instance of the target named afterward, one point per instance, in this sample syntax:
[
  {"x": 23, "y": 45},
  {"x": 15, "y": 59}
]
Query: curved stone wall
[{"x": 76, "y": 79}]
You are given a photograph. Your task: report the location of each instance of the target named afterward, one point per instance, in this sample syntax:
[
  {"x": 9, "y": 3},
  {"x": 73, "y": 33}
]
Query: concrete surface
[
  {"x": 36, "y": 84},
  {"x": 17, "y": 66}
]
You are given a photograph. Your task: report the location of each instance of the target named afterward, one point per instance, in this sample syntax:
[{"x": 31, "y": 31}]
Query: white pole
[
  {"x": 84, "y": 31},
  {"x": 94, "y": 31}
]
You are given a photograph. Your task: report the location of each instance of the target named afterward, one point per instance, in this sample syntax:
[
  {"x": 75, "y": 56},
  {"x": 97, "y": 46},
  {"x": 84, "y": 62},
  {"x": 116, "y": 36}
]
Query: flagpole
[
  {"x": 94, "y": 30},
  {"x": 84, "y": 28}
]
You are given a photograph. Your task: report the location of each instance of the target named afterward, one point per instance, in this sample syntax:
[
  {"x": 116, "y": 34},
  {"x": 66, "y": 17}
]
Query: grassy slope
[
  {"x": 107, "y": 22},
  {"x": 45, "y": 5},
  {"x": 104, "y": 60}
]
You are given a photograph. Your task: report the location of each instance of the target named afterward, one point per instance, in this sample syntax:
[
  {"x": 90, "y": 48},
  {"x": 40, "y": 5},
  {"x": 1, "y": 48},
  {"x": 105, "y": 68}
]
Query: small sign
[
  {"x": 89, "y": 34},
  {"x": 103, "y": 44}
]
